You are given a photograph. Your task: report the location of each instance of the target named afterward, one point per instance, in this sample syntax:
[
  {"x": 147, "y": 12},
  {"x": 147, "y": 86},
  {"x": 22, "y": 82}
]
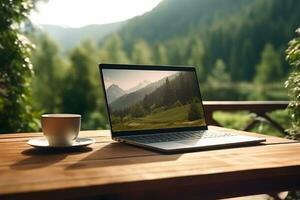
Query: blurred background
[{"x": 238, "y": 47}]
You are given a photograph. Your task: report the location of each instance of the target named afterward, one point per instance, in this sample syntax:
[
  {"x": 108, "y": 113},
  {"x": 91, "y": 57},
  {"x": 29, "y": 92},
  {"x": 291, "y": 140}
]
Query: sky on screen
[{"x": 127, "y": 79}]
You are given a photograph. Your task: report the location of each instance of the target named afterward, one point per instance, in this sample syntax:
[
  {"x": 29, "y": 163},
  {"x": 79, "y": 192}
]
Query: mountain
[
  {"x": 137, "y": 87},
  {"x": 70, "y": 37},
  {"x": 173, "y": 18},
  {"x": 134, "y": 97},
  {"x": 201, "y": 32},
  {"x": 114, "y": 92}
]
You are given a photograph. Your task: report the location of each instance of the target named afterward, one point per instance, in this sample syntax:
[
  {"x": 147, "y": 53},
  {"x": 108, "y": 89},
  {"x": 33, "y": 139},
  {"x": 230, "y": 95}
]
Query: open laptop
[{"x": 160, "y": 108}]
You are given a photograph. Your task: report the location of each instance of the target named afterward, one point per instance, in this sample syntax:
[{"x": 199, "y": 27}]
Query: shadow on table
[
  {"x": 114, "y": 154},
  {"x": 39, "y": 158}
]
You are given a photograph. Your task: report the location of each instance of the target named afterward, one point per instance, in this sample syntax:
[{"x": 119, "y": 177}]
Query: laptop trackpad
[
  {"x": 216, "y": 141},
  {"x": 202, "y": 142}
]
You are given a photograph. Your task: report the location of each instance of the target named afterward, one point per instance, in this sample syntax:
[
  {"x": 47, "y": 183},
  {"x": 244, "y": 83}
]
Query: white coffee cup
[{"x": 61, "y": 129}]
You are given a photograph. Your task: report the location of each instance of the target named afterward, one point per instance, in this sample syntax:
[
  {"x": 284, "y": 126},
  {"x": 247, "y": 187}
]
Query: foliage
[
  {"x": 160, "y": 54},
  {"x": 141, "y": 53},
  {"x": 79, "y": 94},
  {"x": 49, "y": 70},
  {"x": 235, "y": 31},
  {"x": 194, "y": 112},
  {"x": 113, "y": 50},
  {"x": 137, "y": 110},
  {"x": 195, "y": 54},
  {"x": 219, "y": 84},
  {"x": 269, "y": 68},
  {"x": 293, "y": 84},
  {"x": 68, "y": 84},
  {"x": 169, "y": 96},
  {"x": 172, "y": 118},
  {"x": 218, "y": 76},
  {"x": 16, "y": 71}
]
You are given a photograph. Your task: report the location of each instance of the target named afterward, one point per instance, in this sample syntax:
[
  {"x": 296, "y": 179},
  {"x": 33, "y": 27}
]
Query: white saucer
[{"x": 43, "y": 143}]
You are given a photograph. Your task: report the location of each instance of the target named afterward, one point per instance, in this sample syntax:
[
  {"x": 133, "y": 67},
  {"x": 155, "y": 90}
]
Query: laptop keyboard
[{"x": 177, "y": 136}]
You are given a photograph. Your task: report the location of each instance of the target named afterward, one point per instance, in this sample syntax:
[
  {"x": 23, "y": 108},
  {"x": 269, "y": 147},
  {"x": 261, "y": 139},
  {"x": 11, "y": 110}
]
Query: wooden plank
[{"x": 32, "y": 156}]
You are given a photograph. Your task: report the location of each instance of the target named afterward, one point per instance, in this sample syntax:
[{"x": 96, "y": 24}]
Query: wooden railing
[{"x": 260, "y": 108}]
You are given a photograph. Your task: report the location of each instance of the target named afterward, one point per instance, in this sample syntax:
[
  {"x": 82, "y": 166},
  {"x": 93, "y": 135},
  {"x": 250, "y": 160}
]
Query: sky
[
  {"x": 78, "y": 13},
  {"x": 127, "y": 79}
]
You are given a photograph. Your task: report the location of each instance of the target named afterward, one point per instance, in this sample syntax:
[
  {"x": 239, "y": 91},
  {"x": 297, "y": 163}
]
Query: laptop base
[{"x": 196, "y": 144}]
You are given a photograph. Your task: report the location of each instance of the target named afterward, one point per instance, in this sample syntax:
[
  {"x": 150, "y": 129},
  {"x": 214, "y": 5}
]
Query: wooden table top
[{"x": 117, "y": 171}]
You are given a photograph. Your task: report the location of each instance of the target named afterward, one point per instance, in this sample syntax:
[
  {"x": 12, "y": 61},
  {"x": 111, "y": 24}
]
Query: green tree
[
  {"x": 138, "y": 110},
  {"x": 219, "y": 85},
  {"x": 169, "y": 94},
  {"x": 219, "y": 76},
  {"x": 141, "y": 53},
  {"x": 49, "y": 69},
  {"x": 196, "y": 54},
  {"x": 146, "y": 103},
  {"x": 248, "y": 58},
  {"x": 270, "y": 67},
  {"x": 181, "y": 92},
  {"x": 114, "y": 50},
  {"x": 194, "y": 112},
  {"x": 16, "y": 71},
  {"x": 160, "y": 54},
  {"x": 79, "y": 95},
  {"x": 293, "y": 84},
  {"x": 177, "y": 48}
]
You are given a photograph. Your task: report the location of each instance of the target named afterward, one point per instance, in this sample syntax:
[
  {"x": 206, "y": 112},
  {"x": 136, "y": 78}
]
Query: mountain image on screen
[
  {"x": 114, "y": 92},
  {"x": 139, "y": 86},
  {"x": 169, "y": 100}
]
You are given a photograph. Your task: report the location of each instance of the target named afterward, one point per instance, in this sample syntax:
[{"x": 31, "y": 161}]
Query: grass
[{"x": 172, "y": 118}]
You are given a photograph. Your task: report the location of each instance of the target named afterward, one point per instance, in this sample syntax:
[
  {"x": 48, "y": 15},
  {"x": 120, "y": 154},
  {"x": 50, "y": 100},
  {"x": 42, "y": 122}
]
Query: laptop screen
[{"x": 152, "y": 99}]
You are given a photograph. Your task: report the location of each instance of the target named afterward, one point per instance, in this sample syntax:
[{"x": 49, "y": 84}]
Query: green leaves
[
  {"x": 15, "y": 69},
  {"x": 293, "y": 84},
  {"x": 270, "y": 68}
]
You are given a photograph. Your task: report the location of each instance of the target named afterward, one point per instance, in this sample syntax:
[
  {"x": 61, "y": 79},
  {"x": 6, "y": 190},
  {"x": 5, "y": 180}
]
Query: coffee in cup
[{"x": 61, "y": 129}]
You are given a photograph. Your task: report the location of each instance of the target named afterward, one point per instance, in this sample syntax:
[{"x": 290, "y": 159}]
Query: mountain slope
[
  {"x": 114, "y": 92},
  {"x": 235, "y": 31},
  {"x": 137, "y": 87},
  {"x": 134, "y": 97},
  {"x": 70, "y": 37},
  {"x": 173, "y": 18}
]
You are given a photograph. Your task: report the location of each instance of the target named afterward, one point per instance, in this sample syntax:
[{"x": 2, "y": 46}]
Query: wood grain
[{"x": 116, "y": 171}]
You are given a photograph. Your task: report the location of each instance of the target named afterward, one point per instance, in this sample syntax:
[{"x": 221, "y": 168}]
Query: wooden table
[{"x": 117, "y": 171}]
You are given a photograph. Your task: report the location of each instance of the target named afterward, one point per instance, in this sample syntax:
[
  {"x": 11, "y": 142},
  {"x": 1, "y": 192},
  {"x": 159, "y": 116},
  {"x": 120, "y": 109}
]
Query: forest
[{"x": 237, "y": 47}]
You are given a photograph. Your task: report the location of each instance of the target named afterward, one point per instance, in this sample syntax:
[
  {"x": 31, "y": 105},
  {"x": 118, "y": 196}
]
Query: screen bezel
[{"x": 156, "y": 68}]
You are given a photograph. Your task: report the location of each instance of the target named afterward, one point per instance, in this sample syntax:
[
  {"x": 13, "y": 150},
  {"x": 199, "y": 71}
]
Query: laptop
[{"x": 160, "y": 108}]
